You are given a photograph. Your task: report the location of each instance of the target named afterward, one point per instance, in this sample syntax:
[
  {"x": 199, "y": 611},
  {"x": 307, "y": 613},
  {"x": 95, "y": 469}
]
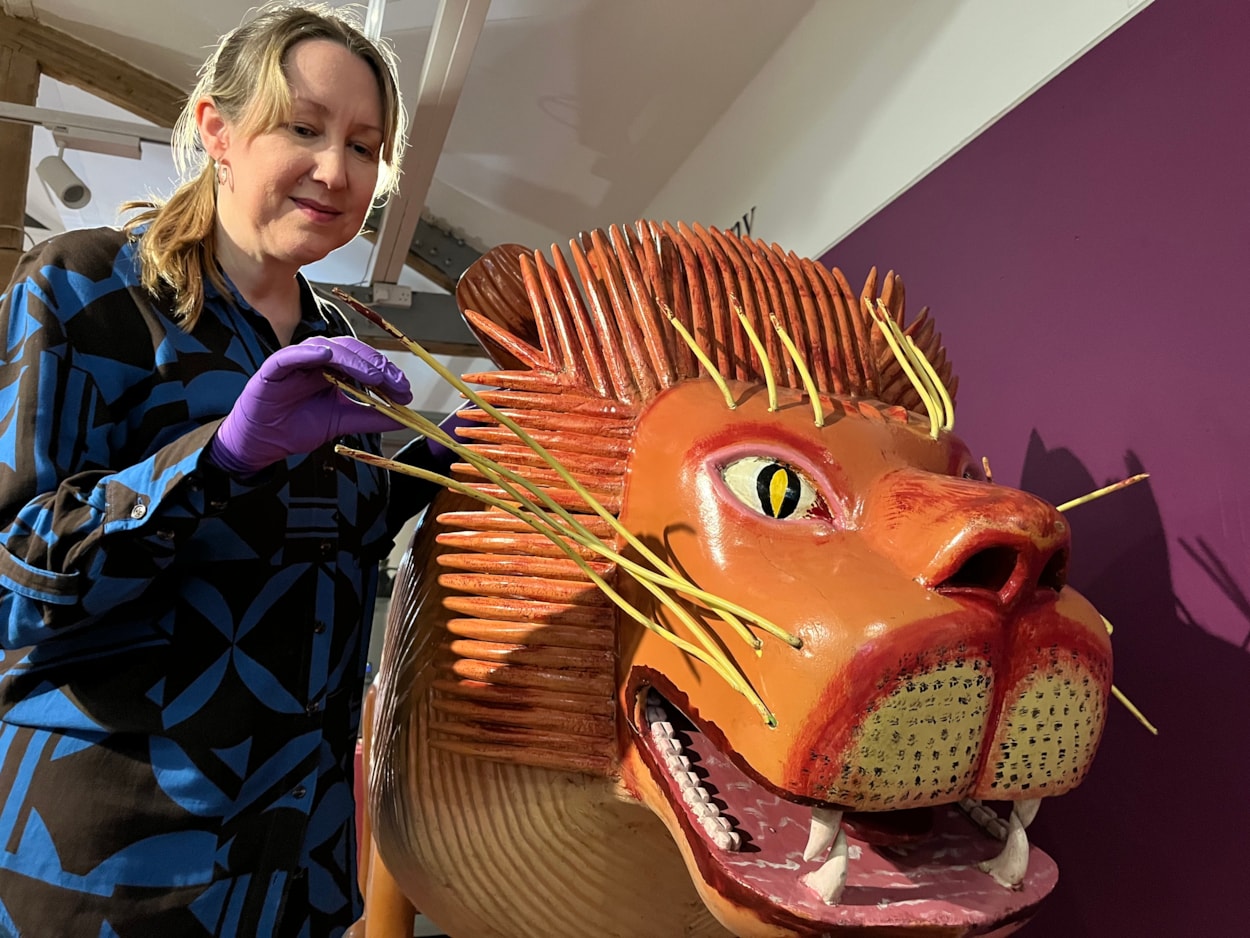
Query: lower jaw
[
  {"x": 929, "y": 885},
  {"x": 935, "y": 885}
]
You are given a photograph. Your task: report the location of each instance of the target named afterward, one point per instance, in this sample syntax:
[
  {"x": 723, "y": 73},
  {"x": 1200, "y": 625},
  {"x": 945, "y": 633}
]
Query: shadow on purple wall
[
  {"x": 1086, "y": 258},
  {"x": 1134, "y": 842}
]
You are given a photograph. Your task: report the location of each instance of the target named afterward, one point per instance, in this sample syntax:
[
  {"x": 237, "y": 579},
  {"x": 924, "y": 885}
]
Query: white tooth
[
  {"x": 709, "y": 824},
  {"x": 676, "y": 764},
  {"x": 826, "y": 822},
  {"x": 655, "y": 715},
  {"x": 702, "y": 809},
  {"x": 694, "y": 779},
  {"x": 694, "y": 793},
  {"x": 674, "y": 744},
  {"x": 1026, "y": 810},
  {"x": 727, "y": 840},
  {"x": 661, "y": 729},
  {"x": 1009, "y": 867},
  {"x": 829, "y": 881}
]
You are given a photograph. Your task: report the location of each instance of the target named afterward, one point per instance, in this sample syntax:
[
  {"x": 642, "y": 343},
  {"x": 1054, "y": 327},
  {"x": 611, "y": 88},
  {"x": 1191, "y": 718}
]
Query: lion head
[{"x": 754, "y": 583}]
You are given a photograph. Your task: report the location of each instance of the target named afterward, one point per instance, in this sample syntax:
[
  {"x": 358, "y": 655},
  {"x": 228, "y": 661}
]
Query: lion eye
[{"x": 770, "y": 487}]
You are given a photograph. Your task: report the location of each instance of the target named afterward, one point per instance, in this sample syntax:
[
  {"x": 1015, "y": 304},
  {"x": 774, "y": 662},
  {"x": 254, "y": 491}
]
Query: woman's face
[{"x": 301, "y": 190}]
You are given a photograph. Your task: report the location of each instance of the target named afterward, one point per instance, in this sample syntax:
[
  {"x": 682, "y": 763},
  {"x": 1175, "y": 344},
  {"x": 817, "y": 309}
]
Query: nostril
[
  {"x": 989, "y": 569},
  {"x": 1055, "y": 574}
]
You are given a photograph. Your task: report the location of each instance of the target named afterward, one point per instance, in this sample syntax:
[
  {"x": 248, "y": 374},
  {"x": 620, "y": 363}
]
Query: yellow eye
[{"x": 772, "y": 488}]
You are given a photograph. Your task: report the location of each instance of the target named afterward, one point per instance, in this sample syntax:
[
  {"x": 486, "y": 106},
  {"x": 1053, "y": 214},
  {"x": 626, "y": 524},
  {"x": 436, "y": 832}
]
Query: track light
[
  {"x": 81, "y": 132},
  {"x": 63, "y": 181}
]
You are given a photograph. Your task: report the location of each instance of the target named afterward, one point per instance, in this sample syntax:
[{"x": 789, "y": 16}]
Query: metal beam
[
  {"x": 453, "y": 38},
  {"x": 439, "y": 255},
  {"x": 435, "y": 253}
]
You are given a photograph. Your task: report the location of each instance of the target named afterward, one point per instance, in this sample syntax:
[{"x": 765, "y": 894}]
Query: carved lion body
[{"x": 543, "y": 764}]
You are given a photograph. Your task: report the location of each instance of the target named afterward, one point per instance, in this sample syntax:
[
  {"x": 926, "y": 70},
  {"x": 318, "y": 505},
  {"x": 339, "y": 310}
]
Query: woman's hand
[{"x": 288, "y": 407}]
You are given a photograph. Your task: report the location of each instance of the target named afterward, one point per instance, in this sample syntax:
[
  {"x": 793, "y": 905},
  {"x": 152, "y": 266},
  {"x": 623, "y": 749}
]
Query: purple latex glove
[{"x": 288, "y": 407}]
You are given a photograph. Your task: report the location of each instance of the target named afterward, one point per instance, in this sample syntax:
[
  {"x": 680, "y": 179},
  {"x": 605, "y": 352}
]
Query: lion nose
[
  {"x": 1003, "y": 566},
  {"x": 969, "y": 539}
]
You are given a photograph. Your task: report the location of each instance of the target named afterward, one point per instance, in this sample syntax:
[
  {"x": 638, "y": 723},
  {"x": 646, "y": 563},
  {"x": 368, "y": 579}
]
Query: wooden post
[{"x": 19, "y": 84}]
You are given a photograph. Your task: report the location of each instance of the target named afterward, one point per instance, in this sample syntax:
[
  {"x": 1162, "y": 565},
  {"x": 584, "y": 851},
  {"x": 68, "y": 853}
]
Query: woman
[{"x": 187, "y": 569}]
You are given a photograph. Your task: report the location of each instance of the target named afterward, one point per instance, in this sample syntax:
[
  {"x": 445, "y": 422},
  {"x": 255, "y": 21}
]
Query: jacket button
[
  {"x": 313, "y": 706},
  {"x": 299, "y": 791},
  {"x": 319, "y": 628},
  {"x": 326, "y": 547},
  {"x": 139, "y": 511}
]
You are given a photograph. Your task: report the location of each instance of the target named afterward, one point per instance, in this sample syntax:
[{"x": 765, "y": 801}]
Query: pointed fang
[
  {"x": 826, "y": 822},
  {"x": 829, "y": 881},
  {"x": 1009, "y": 867}
]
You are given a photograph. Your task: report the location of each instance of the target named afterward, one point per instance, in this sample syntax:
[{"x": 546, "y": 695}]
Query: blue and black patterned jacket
[{"x": 182, "y": 652}]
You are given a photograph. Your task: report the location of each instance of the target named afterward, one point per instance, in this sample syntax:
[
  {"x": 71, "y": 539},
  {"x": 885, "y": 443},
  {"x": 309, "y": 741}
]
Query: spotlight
[{"x": 63, "y": 181}]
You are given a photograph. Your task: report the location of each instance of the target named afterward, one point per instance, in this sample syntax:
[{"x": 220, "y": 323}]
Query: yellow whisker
[
  {"x": 712, "y": 657},
  {"x": 931, "y": 392},
  {"x": 590, "y": 501},
  {"x": 1133, "y": 710},
  {"x": 935, "y": 382},
  {"x": 985, "y": 464},
  {"x": 503, "y": 477},
  {"x": 736, "y": 680},
  {"x": 702, "y": 357},
  {"x": 1105, "y": 490},
  {"x": 766, "y": 365},
  {"x": 812, "y": 394},
  {"x": 1115, "y": 691},
  {"x": 497, "y": 474},
  {"x": 891, "y": 332}
]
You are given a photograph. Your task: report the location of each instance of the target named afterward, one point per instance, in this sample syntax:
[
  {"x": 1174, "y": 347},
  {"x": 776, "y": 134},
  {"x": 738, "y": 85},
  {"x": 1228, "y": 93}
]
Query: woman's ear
[{"x": 214, "y": 132}]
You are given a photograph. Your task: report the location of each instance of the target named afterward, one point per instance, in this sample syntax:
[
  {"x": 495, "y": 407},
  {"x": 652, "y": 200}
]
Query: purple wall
[{"x": 1086, "y": 259}]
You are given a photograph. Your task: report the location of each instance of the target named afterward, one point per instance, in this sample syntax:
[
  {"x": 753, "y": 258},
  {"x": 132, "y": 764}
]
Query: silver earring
[{"x": 223, "y": 174}]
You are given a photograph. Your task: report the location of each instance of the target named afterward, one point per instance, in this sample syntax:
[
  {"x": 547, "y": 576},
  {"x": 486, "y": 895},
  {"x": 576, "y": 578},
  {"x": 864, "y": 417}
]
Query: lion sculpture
[{"x": 720, "y": 629}]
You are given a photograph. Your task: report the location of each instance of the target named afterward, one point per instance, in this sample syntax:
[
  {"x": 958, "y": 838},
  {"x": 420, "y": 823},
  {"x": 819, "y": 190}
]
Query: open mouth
[{"x": 963, "y": 869}]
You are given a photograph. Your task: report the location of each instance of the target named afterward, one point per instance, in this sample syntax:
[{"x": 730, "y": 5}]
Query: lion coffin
[{"x": 721, "y": 628}]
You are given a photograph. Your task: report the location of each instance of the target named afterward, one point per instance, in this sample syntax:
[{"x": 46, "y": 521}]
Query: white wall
[{"x": 863, "y": 99}]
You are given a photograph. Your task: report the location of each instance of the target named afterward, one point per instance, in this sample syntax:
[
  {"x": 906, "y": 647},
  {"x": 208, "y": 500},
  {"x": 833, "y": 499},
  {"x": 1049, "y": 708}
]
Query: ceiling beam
[
  {"x": 74, "y": 62},
  {"x": 21, "y": 8},
  {"x": 19, "y": 82},
  {"x": 452, "y": 41}
]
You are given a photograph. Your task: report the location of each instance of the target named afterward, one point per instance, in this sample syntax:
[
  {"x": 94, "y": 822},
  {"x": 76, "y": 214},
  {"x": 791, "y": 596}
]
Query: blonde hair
[{"x": 245, "y": 79}]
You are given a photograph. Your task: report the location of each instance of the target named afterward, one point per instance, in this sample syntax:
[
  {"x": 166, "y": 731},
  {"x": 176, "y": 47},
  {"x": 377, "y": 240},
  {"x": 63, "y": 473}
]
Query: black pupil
[{"x": 772, "y": 506}]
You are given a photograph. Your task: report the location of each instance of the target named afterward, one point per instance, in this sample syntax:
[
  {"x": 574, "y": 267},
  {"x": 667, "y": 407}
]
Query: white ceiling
[{"x": 574, "y": 113}]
